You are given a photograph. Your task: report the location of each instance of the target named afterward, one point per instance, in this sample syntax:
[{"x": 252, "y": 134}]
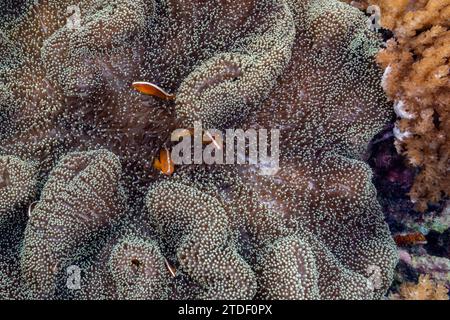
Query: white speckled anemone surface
[{"x": 77, "y": 145}]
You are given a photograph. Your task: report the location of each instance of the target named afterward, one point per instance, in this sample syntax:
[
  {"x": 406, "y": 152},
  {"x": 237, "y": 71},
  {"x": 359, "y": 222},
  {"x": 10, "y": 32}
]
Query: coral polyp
[{"x": 79, "y": 144}]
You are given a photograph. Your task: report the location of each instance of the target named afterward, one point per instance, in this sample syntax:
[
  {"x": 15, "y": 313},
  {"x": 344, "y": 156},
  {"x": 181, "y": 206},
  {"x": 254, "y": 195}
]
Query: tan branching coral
[
  {"x": 417, "y": 79},
  {"x": 425, "y": 289}
]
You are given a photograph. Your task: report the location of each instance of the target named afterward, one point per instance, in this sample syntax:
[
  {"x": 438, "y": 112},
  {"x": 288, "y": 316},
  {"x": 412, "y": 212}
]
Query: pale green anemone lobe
[
  {"x": 81, "y": 198},
  {"x": 223, "y": 90},
  {"x": 291, "y": 252}
]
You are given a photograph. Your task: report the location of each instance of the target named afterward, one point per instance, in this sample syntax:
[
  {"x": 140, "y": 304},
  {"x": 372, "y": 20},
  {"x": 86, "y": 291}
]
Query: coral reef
[
  {"x": 417, "y": 79},
  {"x": 422, "y": 238},
  {"x": 76, "y": 138},
  {"x": 425, "y": 289}
]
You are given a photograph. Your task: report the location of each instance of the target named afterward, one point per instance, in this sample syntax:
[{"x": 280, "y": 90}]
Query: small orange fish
[
  {"x": 152, "y": 90},
  {"x": 164, "y": 163},
  {"x": 408, "y": 239}
]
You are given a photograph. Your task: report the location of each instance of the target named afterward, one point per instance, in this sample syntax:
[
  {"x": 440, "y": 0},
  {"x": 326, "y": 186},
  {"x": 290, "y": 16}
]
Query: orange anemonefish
[
  {"x": 414, "y": 238},
  {"x": 164, "y": 163},
  {"x": 152, "y": 90}
]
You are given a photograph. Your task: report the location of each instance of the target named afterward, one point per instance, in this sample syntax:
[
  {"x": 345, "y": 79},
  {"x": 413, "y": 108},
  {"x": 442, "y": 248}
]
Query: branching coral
[
  {"x": 425, "y": 289},
  {"x": 417, "y": 64},
  {"x": 76, "y": 138}
]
